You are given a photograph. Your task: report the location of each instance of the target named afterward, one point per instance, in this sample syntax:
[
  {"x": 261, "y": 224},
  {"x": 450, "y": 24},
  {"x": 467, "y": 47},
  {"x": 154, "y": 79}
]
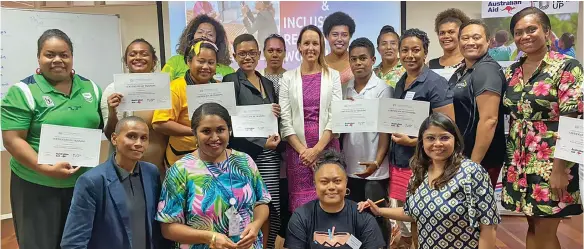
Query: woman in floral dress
[{"x": 542, "y": 86}]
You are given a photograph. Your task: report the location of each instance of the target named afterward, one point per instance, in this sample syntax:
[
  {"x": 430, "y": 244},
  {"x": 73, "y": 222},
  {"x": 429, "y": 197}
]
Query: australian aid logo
[{"x": 492, "y": 9}]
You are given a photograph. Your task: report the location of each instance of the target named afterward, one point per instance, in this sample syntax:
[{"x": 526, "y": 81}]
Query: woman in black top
[
  {"x": 332, "y": 220},
  {"x": 478, "y": 85},
  {"x": 251, "y": 88},
  {"x": 446, "y": 26}
]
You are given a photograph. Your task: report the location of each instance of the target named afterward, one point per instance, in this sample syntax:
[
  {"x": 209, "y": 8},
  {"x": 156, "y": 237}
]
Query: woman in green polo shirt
[
  {"x": 206, "y": 27},
  {"x": 54, "y": 95}
]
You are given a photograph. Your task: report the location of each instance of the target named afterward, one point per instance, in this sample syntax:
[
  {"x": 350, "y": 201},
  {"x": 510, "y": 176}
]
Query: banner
[
  {"x": 289, "y": 18},
  {"x": 492, "y": 9}
]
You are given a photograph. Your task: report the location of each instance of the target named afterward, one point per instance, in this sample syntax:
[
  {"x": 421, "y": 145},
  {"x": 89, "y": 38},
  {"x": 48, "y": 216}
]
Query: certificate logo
[
  {"x": 349, "y": 124},
  {"x": 48, "y": 101},
  {"x": 88, "y": 97},
  {"x": 137, "y": 101}
]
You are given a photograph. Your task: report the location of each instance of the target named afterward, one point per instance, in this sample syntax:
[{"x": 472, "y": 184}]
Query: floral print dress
[
  {"x": 196, "y": 193},
  {"x": 535, "y": 106}
]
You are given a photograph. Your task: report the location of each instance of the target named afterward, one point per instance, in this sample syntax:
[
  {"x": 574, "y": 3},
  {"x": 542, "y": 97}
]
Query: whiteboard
[
  {"x": 96, "y": 38},
  {"x": 97, "y": 46}
]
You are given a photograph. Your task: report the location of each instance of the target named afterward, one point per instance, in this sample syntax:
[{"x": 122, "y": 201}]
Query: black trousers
[
  {"x": 362, "y": 189},
  {"x": 284, "y": 212},
  {"x": 39, "y": 213}
]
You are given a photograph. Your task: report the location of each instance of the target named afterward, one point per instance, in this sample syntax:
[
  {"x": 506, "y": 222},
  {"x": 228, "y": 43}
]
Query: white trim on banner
[{"x": 491, "y": 9}]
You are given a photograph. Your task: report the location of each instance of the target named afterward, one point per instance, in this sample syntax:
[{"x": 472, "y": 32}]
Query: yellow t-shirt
[{"x": 178, "y": 146}]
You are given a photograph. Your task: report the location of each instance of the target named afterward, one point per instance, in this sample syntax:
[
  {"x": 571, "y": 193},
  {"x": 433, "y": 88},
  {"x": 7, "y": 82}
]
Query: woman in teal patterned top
[{"x": 202, "y": 188}]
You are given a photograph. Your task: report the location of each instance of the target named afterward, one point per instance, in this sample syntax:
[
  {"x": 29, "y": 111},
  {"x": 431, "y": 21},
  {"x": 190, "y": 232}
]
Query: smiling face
[
  {"x": 132, "y": 140},
  {"x": 309, "y": 46},
  {"x": 338, "y": 39},
  {"x": 139, "y": 59},
  {"x": 275, "y": 52},
  {"x": 438, "y": 143},
  {"x": 331, "y": 184},
  {"x": 388, "y": 47},
  {"x": 473, "y": 42},
  {"x": 412, "y": 54},
  {"x": 247, "y": 55},
  {"x": 448, "y": 36},
  {"x": 202, "y": 67},
  {"x": 529, "y": 34},
  {"x": 361, "y": 62},
  {"x": 212, "y": 135},
  {"x": 56, "y": 60}
]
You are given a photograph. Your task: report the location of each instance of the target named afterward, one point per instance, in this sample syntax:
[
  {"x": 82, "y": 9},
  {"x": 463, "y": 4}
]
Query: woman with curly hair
[
  {"x": 446, "y": 25},
  {"x": 338, "y": 29},
  {"x": 207, "y": 28},
  {"x": 449, "y": 196}
]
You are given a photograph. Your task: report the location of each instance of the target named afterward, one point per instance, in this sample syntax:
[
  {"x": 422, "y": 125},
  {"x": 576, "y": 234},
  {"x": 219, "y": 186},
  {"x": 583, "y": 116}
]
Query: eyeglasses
[
  {"x": 243, "y": 54},
  {"x": 274, "y": 36}
]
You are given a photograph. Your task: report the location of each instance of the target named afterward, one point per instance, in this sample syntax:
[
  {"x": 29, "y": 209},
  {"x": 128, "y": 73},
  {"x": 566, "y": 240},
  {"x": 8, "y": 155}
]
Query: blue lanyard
[{"x": 219, "y": 182}]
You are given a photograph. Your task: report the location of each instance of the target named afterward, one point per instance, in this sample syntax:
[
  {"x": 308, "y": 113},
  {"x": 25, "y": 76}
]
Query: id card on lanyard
[{"x": 232, "y": 213}]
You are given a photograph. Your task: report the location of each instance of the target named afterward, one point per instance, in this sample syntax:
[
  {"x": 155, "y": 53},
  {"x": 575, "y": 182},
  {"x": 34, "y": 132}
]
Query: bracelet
[{"x": 213, "y": 239}]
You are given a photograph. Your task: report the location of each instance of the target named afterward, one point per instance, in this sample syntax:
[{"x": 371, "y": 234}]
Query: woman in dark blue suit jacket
[{"x": 114, "y": 203}]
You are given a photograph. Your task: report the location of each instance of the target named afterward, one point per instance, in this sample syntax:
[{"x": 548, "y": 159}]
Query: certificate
[
  {"x": 446, "y": 73},
  {"x": 77, "y": 146},
  {"x": 220, "y": 93},
  {"x": 570, "y": 146},
  {"x": 350, "y": 116},
  {"x": 143, "y": 91},
  {"x": 402, "y": 116},
  {"x": 254, "y": 121}
]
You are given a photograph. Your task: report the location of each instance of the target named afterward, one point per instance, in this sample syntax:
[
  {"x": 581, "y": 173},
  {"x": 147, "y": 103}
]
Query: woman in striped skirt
[{"x": 251, "y": 88}]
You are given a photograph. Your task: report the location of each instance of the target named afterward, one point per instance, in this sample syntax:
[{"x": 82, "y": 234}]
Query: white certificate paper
[
  {"x": 77, "y": 146},
  {"x": 254, "y": 121},
  {"x": 351, "y": 116},
  {"x": 220, "y": 93},
  {"x": 446, "y": 73},
  {"x": 143, "y": 91},
  {"x": 379, "y": 115},
  {"x": 402, "y": 116},
  {"x": 570, "y": 146}
]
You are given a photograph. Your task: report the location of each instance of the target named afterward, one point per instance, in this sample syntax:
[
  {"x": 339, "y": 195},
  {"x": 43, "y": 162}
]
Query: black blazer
[{"x": 247, "y": 94}]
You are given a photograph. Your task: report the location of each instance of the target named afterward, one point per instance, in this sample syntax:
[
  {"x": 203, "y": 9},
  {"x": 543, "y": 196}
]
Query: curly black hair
[
  {"x": 385, "y": 30},
  {"x": 476, "y": 22},
  {"x": 338, "y": 19},
  {"x": 331, "y": 156},
  {"x": 451, "y": 15},
  {"x": 418, "y": 34},
  {"x": 363, "y": 42},
  {"x": 188, "y": 34}
]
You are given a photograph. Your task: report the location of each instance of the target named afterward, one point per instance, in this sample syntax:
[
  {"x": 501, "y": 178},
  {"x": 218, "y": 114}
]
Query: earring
[
  {"x": 348, "y": 191},
  {"x": 72, "y": 72},
  {"x": 38, "y": 70}
]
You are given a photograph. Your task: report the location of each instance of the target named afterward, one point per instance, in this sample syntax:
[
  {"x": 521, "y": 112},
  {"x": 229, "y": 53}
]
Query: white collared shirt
[{"x": 362, "y": 147}]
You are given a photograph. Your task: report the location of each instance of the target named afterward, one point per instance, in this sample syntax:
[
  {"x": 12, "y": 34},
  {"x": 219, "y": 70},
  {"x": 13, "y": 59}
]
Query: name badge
[
  {"x": 354, "y": 242},
  {"x": 234, "y": 221},
  {"x": 410, "y": 95}
]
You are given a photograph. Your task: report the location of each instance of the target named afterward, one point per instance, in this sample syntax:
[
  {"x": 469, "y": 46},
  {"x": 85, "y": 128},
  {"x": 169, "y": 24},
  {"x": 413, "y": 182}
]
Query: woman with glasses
[
  {"x": 449, "y": 197},
  {"x": 251, "y": 88}
]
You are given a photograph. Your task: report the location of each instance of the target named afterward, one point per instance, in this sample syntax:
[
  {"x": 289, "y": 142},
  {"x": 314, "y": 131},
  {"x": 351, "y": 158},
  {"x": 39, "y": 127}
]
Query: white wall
[
  {"x": 421, "y": 15},
  {"x": 138, "y": 21}
]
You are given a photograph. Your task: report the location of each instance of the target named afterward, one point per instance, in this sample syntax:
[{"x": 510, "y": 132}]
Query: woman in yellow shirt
[
  {"x": 199, "y": 27},
  {"x": 175, "y": 122}
]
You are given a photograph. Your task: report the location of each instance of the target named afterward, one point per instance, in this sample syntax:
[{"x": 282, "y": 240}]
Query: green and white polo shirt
[{"x": 33, "y": 102}]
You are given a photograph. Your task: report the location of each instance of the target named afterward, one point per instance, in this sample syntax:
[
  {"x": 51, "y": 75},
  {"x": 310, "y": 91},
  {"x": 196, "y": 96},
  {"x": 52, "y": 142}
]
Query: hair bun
[{"x": 387, "y": 28}]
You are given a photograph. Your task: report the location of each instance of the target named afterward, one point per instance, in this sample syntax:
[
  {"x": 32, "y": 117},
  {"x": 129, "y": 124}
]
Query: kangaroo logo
[{"x": 508, "y": 9}]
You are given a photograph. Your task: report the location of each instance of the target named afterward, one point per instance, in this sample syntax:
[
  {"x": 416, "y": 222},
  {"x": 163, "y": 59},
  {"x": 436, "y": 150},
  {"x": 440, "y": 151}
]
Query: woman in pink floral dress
[{"x": 542, "y": 86}]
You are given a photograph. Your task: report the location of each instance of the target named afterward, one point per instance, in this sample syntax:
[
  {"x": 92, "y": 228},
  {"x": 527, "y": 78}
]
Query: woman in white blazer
[{"x": 305, "y": 96}]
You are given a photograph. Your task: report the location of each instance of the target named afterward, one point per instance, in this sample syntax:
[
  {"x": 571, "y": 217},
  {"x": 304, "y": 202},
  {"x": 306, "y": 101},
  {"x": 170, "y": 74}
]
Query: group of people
[{"x": 180, "y": 181}]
